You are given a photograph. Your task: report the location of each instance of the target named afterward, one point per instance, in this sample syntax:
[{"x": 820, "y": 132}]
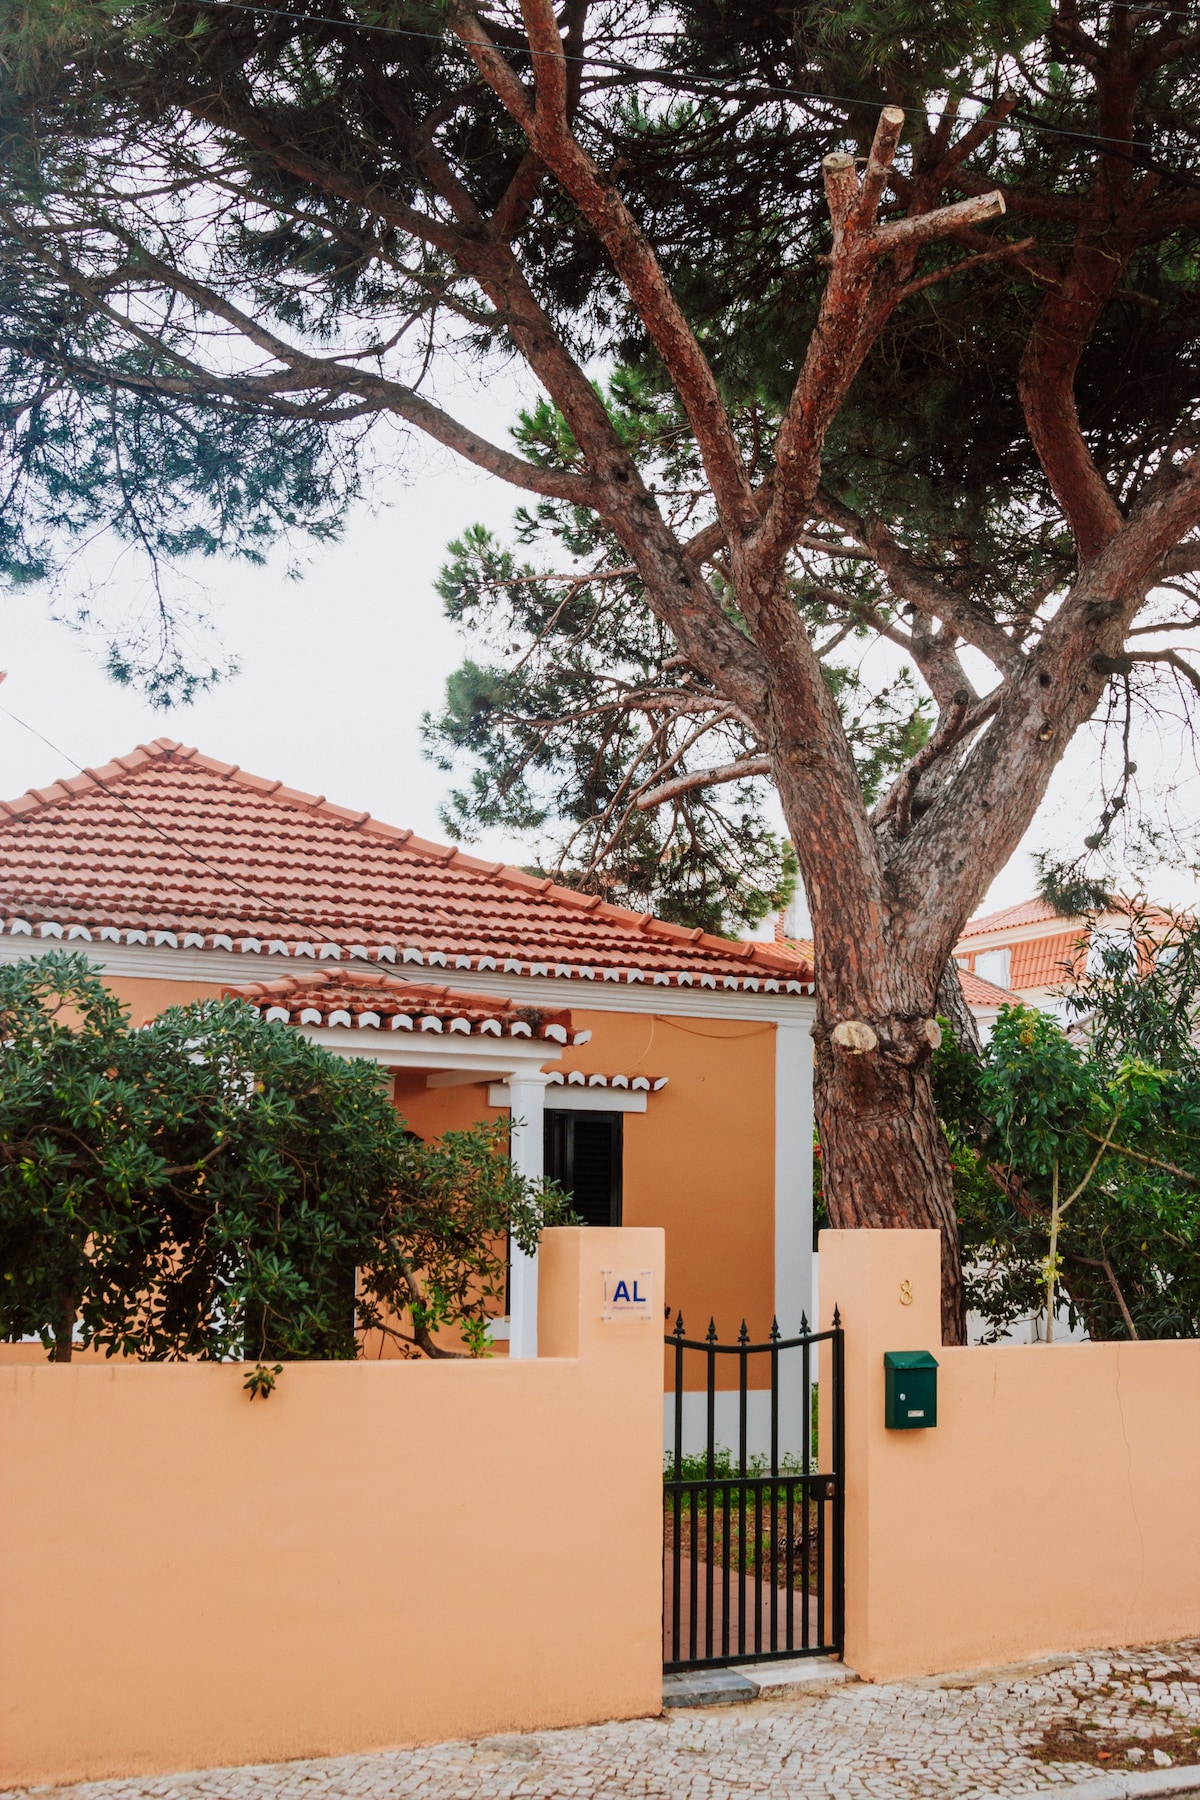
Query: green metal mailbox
[{"x": 910, "y": 1378}]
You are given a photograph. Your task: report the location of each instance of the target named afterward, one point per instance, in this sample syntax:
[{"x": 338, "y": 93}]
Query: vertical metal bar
[
  {"x": 774, "y": 1490},
  {"x": 822, "y": 1571},
  {"x": 758, "y": 1586},
  {"x": 743, "y": 1408},
  {"x": 741, "y": 1637},
  {"x": 838, "y": 1436},
  {"x": 710, "y": 1495},
  {"x": 806, "y": 1409},
  {"x": 790, "y": 1569},
  {"x": 806, "y": 1558},
  {"x": 693, "y": 1574},
  {"x": 677, "y": 1494},
  {"x": 725, "y": 1532}
]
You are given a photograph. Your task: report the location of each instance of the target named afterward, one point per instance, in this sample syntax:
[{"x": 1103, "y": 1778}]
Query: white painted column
[
  {"x": 793, "y": 1176},
  {"x": 793, "y": 1219},
  {"x": 527, "y": 1098}
]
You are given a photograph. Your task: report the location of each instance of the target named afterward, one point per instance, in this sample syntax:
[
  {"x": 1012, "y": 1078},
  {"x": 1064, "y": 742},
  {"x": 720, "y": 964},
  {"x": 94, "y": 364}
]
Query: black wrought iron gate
[{"x": 753, "y": 1526}]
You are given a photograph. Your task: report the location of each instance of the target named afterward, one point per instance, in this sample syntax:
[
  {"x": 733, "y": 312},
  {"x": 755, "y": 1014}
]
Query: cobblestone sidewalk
[{"x": 964, "y": 1737}]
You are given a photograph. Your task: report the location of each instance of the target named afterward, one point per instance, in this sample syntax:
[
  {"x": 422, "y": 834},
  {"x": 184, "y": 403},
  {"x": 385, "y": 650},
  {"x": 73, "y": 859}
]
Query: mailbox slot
[{"x": 910, "y": 1388}]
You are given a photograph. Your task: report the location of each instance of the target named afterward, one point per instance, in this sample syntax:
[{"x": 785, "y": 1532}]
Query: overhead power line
[
  {"x": 273, "y": 907},
  {"x": 1120, "y": 147}
]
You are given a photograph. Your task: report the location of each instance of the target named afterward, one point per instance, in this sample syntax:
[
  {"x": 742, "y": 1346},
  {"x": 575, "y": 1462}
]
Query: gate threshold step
[{"x": 752, "y": 1681}]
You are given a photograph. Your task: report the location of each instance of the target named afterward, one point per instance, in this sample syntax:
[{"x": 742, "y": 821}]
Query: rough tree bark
[{"x": 889, "y": 890}]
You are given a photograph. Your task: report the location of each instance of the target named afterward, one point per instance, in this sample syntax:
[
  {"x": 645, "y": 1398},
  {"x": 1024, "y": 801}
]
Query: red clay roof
[
  {"x": 1029, "y": 912},
  {"x": 978, "y": 992},
  {"x": 1047, "y": 961},
  {"x": 351, "y": 997},
  {"x": 168, "y": 846}
]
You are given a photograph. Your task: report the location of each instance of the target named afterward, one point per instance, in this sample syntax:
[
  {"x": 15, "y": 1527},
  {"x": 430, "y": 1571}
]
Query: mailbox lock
[{"x": 910, "y": 1390}]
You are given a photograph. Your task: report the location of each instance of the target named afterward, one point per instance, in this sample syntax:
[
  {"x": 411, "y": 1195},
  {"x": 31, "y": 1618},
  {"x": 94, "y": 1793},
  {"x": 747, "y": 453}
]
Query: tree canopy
[
  {"x": 215, "y": 1186},
  {"x": 900, "y": 309}
]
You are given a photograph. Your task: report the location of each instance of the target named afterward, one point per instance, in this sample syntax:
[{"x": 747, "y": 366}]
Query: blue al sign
[{"x": 627, "y": 1294}]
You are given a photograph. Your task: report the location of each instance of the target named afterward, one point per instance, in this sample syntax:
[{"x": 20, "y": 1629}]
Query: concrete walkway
[{"x": 1041, "y": 1728}]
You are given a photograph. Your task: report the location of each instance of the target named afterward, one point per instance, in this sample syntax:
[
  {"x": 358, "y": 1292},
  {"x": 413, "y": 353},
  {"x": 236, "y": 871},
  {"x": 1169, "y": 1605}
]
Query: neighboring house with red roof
[
  {"x": 1032, "y": 951},
  {"x": 664, "y": 1075}
]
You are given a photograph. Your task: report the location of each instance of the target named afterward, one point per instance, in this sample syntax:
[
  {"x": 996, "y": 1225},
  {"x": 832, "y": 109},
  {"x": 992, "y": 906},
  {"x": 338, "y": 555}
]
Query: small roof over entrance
[{"x": 389, "y": 1003}]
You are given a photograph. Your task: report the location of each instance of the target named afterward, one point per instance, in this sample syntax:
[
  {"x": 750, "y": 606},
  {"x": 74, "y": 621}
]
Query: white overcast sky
[{"x": 337, "y": 668}]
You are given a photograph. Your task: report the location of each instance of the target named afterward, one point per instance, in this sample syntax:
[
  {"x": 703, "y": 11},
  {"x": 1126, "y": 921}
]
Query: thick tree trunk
[
  {"x": 952, "y": 1005},
  {"x": 884, "y": 1160}
]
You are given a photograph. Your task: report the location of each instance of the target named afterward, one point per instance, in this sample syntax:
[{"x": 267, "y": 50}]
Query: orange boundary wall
[
  {"x": 1055, "y": 1506},
  {"x": 380, "y": 1554}
]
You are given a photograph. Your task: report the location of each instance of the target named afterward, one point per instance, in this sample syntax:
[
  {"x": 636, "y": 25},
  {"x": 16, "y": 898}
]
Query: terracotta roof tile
[
  {"x": 169, "y": 840},
  {"x": 978, "y": 992},
  {"x": 1029, "y": 912},
  {"x": 1046, "y": 961},
  {"x": 346, "y": 996}
]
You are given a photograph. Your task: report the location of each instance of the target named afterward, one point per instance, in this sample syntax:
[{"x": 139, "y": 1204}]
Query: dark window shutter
[{"x": 583, "y": 1154}]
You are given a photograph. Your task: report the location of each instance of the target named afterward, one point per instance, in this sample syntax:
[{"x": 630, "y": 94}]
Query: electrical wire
[
  {"x": 1112, "y": 146},
  {"x": 274, "y": 909}
]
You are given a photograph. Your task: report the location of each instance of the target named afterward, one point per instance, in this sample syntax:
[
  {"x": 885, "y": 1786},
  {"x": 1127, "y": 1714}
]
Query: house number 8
[{"x": 906, "y": 1293}]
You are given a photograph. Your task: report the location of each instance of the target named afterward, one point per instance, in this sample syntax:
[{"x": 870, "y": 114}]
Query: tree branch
[
  {"x": 1173, "y": 659},
  {"x": 703, "y": 778},
  {"x": 547, "y": 128}
]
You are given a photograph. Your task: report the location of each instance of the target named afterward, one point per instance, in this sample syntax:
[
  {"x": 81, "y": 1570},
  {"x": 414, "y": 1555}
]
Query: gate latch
[{"x": 910, "y": 1390}]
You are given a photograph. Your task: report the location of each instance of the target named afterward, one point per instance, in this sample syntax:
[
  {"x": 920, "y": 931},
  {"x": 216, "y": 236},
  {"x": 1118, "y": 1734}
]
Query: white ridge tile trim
[{"x": 194, "y": 940}]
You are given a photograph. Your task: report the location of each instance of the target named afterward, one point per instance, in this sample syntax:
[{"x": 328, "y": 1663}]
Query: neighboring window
[
  {"x": 1110, "y": 953},
  {"x": 583, "y": 1154},
  {"x": 993, "y": 966}
]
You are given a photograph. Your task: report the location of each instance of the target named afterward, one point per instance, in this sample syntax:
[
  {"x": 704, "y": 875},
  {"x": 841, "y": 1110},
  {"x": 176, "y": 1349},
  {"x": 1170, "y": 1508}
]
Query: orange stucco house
[{"x": 664, "y": 1076}]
